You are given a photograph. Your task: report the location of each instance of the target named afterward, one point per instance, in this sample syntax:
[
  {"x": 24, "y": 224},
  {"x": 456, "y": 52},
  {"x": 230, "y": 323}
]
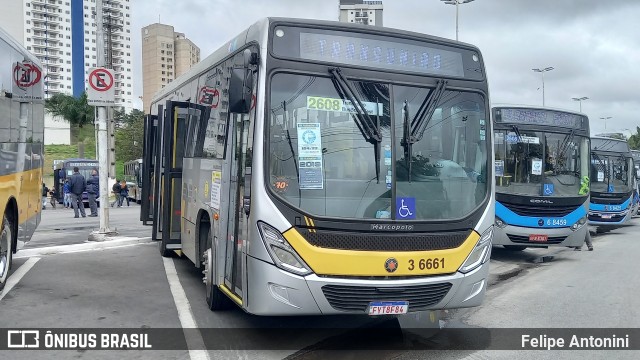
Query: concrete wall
[{"x": 56, "y": 131}]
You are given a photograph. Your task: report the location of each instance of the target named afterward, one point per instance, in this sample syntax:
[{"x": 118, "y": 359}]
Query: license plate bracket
[{"x": 376, "y": 308}]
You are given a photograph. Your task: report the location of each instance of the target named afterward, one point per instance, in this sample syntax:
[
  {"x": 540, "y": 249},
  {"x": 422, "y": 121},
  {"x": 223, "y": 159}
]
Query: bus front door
[
  {"x": 168, "y": 197},
  {"x": 148, "y": 159}
]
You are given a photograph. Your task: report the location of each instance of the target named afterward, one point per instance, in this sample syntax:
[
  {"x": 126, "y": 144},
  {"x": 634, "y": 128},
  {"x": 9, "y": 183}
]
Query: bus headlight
[
  {"x": 283, "y": 255},
  {"x": 579, "y": 224},
  {"x": 480, "y": 253},
  {"x": 499, "y": 223}
]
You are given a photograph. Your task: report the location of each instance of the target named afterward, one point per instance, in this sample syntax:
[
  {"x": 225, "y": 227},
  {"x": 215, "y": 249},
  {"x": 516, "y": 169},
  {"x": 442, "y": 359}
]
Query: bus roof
[{"x": 257, "y": 32}]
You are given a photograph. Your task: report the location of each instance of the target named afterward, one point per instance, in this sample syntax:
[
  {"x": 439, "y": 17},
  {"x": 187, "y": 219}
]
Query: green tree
[
  {"x": 74, "y": 110},
  {"x": 634, "y": 140},
  {"x": 129, "y": 134}
]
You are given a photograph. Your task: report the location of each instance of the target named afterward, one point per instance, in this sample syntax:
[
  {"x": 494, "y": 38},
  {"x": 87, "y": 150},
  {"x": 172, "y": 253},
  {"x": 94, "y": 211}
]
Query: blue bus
[
  {"x": 64, "y": 170},
  {"x": 542, "y": 184},
  {"x": 612, "y": 182}
]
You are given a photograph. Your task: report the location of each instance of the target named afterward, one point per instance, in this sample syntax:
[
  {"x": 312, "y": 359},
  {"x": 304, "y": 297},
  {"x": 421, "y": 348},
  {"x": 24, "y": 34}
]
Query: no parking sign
[{"x": 101, "y": 87}]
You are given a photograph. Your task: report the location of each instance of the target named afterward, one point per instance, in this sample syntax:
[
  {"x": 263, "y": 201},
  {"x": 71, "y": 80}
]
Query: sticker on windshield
[
  {"x": 499, "y": 167},
  {"x": 536, "y": 167},
  {"x": 310, "y": 156},
  {"x": 335, "y": 104},
  {"x": 499, "y": 138},
  {"x": 405, "y": 208},
  {"x": 387, "y": 155},
  {"x": 600, "y": 176},
  {"x": 512, "y": 138},
  {"x": 388, "y": 180},
  {"x": 548, "y": 190},
  {"x": 611, "y": 189}
]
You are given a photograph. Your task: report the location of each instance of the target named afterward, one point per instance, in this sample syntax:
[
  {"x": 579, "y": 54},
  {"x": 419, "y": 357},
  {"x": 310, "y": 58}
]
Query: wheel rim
[
  {"x": 208, "y": 276},
  {"x": 5, "y": 242}
]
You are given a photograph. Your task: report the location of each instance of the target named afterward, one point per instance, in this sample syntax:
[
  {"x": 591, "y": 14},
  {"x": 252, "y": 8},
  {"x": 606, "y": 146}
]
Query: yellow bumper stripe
[{"x": 372, "y": 263}]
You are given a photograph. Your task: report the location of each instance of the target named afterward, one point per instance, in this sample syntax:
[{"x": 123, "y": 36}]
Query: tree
[
  {"x": 129, "y": 134},
  {"x": 634, "y": 140},
  {"x": 74, "y": 110}
]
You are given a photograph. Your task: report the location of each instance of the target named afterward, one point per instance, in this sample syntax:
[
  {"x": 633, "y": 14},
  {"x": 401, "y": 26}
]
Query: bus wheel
[
  {"x": 6, "y": 251},
  {"x": 215, "y": 298},
  {"x": 514, "y": 247}
]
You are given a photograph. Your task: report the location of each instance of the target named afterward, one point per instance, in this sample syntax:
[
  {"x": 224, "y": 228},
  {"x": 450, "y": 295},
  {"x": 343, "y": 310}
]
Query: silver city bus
[
  {"x": 133, "y": 176},
  {"x": 542, "y": 177},
  {"x": 315, "y": 167}
]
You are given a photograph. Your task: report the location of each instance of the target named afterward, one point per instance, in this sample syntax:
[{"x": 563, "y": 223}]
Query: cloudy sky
[{"x": 593, "y": 45}]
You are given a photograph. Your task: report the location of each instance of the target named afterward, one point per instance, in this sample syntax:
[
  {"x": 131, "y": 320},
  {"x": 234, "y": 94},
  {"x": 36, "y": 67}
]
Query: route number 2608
[{"x": 426, "y": 264}]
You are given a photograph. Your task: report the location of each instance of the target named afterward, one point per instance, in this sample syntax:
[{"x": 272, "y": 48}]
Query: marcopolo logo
[{"x": 390, "y": 227}]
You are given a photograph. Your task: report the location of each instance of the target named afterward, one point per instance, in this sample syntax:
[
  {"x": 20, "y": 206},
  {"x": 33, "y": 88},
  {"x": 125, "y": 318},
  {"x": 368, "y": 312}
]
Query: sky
[{"x": 593, "y": 45}]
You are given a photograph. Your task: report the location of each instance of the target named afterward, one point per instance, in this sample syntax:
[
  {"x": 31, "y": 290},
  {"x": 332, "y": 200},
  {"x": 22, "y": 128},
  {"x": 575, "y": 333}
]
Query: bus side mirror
[{"x": 241, "y": 84}]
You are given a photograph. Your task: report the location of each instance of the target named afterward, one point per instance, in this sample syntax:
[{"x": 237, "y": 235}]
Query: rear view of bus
[
  {"x": 542, "y": 177},
  {"x": 612, "y": 182}
]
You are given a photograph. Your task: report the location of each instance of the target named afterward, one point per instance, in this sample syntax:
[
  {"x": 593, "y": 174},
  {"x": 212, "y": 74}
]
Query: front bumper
[
  {"x": 519, "y": 236},
  {"x": 599, "y": 218},
  {"x": 275, "y": 292}
]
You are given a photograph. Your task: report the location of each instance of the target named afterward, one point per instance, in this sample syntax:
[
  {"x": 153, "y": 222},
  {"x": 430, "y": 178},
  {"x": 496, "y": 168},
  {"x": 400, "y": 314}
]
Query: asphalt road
[{"x": 126, "y": 284}]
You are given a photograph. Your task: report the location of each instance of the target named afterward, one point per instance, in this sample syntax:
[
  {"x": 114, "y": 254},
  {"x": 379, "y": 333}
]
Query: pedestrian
[
  {"x": 124, "y": 193},
  {"x": 587, "y": 240},
  {"x": 66, "y": 190},
  {"x": 45, "y": 194},
  {"x": 93, "y": 190},
  {"x": 115, "y": 189},
  {"x": 78, "y": 186}
]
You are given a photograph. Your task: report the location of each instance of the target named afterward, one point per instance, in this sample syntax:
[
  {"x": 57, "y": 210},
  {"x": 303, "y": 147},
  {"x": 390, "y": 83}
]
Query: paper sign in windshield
[
  {"x": 499, "y": 167},
  {"x": 334, "y": 104},
  {"x": 513, "y": 139},
  {"x": 536, "y": 167},
  {"x": 310, "y": 156},
  {"x": 600, "y": 176}
]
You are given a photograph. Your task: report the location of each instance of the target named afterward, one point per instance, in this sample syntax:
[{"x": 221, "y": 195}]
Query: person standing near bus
[
  {"x": 45, "y": 194},
  {"x": 93, "y": 189},
  {"x": 66, "y": 191},
  {"x": 78, "y": 186},
  {"x": 124, "y": 193}
]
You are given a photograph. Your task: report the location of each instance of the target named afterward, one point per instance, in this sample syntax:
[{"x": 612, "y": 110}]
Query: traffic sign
[
  {"x": 101, "y": 90},
  {"x": 27, "y": 82}
]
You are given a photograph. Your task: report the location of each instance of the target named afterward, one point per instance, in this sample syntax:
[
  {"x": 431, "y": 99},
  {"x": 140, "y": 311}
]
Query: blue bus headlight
[
  {"x": 283, "y": 255},
  {"x": 579, "y": 224},
  {"x": 480, "y": 253}
]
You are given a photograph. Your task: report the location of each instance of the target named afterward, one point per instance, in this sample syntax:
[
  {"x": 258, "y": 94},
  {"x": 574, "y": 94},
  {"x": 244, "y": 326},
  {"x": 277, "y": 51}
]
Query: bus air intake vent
[
  {"x": 357, "y": 298},
  {"x": 538, "y": 211},
  {"x": 385, "y": 241}
]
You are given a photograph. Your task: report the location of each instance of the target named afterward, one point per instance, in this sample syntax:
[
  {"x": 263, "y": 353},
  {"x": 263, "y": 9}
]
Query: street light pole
[
  {"x": 456, "y": 3},
  {"x": 580, "y": 101},
  {"x": 542, "y": 71},
  {"x": 605, "y": 121}
]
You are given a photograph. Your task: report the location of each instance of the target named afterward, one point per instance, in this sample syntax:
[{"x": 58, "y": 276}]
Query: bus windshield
[
  {"x": 323, "y": 161},
  {"x": 611, "y": 174},
  {"x": 537, "y": 163}
]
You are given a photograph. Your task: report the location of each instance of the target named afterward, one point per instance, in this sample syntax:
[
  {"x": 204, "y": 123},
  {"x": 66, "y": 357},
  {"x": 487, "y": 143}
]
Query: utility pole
[{"x": 99, "y": 83}]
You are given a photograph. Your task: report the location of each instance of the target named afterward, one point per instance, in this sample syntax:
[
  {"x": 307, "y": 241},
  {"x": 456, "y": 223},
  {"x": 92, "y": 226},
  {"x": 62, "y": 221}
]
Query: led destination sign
[
  {"x": 380, "y": 54},
  {"x": 540, "y": 117}
]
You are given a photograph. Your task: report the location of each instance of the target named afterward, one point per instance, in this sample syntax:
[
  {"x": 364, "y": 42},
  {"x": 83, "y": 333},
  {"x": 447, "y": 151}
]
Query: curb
[{"x": 113, "y": 242}]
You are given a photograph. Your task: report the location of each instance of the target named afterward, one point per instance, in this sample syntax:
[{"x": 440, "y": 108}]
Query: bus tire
[
  {"x": 514, "y": 247},
  {"x": 6, "y": 249},
  {"x": 216, "y": 299}
]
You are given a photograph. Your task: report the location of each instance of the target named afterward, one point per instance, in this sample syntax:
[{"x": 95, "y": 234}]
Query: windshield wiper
[
  {"x": 370, "y": 129},
  {"x": 414, "y": 130},
  {"x": 565, "y": 144}
]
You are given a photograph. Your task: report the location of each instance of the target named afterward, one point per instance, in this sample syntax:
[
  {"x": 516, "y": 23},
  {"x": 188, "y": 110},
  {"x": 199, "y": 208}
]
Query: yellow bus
[{"x": 21, "y": 148}]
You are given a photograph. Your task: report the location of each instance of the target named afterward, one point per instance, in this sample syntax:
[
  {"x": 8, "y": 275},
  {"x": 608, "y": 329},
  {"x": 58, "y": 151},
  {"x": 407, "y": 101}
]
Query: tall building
[
  {"x": 364, "y": 12},
  {"x": 62, "y": 34},
  {"x": 166, "y": 54}
]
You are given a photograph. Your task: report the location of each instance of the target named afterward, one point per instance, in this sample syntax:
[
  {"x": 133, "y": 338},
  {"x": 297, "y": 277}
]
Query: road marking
[
  {"x": 187, "y": 321},
  {"x": 86, "y": 246},
  {"x": 17, "y": 275}
]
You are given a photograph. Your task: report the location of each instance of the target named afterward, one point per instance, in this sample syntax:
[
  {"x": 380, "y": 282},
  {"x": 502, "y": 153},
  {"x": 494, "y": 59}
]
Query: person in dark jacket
[
  {"x": 93, "y": 190},
  {"x": 78, "y": 186},
  {"x": 45, "y": 193}
]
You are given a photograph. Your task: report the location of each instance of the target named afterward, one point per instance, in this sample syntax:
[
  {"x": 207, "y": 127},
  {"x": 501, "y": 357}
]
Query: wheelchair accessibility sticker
[
  {"x": 548, "y": 189},
  {"x": 406, "y": 208}
]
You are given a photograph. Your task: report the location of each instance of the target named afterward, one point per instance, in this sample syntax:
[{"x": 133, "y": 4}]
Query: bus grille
[
  {"x": 357, "y": 298},
  {"x": 536, "y": 211},
  {"x": 525, "y": 240},
  {"x": 386, "y": 241}
]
